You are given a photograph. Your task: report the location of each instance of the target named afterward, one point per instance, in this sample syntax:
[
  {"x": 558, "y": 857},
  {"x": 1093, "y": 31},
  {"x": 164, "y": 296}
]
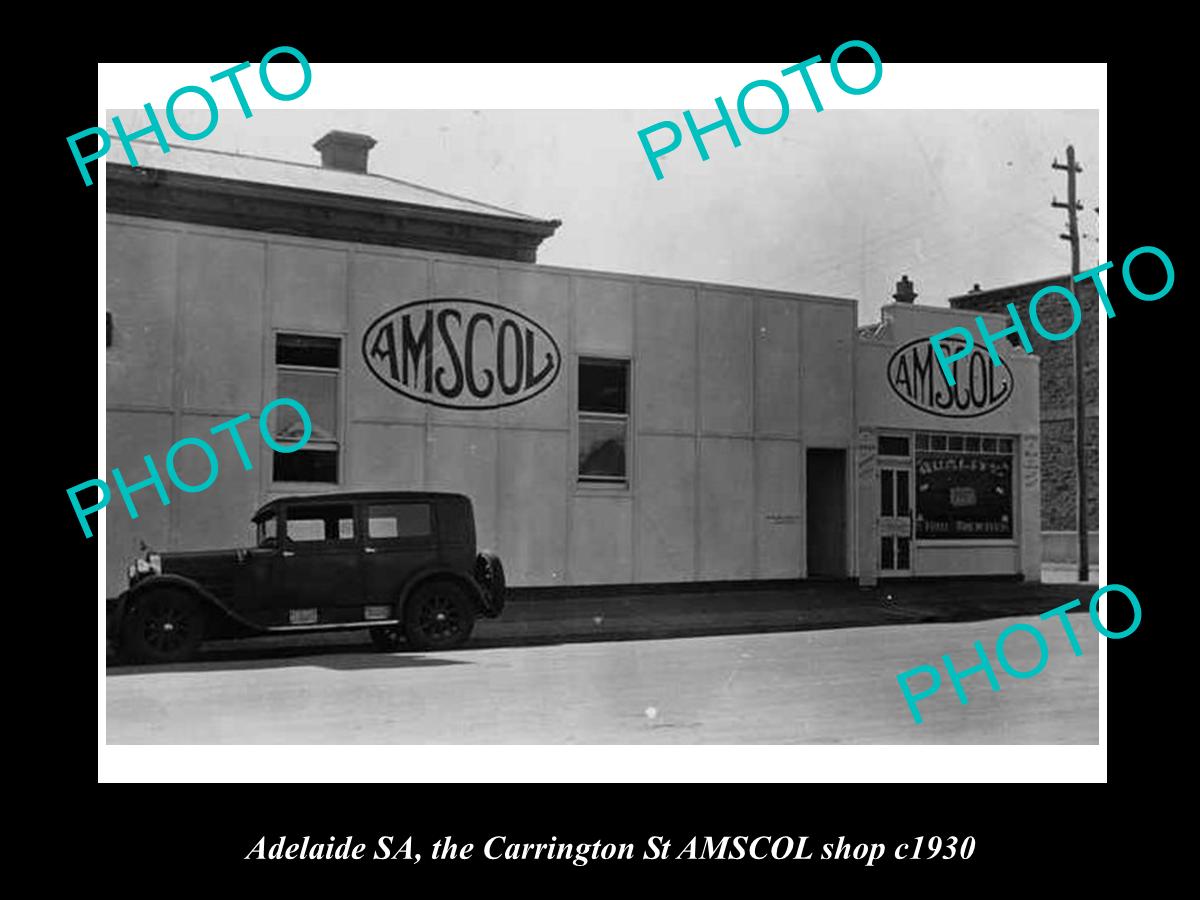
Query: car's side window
[
  {"x": 267, "y": 534},
  {"x": 399, "y": 521},
  {"x": 320, "y": 523}
]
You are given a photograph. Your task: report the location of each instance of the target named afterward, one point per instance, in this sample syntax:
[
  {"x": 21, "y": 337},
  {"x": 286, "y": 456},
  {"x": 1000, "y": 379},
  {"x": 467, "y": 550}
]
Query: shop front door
[{"x": 895, "y": 520}]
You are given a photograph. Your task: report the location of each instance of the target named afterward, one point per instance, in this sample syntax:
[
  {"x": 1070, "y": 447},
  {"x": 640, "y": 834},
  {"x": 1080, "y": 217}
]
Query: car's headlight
[{"x": 152, "y": 563}]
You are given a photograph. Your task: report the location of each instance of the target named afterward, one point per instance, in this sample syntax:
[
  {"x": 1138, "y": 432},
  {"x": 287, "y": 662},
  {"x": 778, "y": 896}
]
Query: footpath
[{"x": 563, "y": 615}]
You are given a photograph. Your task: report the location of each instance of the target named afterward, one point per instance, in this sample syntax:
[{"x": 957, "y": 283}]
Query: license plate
[
  {"x": 377, "y": 612},
  {"x": 302, "y": 616}
]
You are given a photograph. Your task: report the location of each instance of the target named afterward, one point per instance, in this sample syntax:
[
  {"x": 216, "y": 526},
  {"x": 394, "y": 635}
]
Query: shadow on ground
[
  {"x": 583, "y": 616},
  {"x": 246, "y": 655}
]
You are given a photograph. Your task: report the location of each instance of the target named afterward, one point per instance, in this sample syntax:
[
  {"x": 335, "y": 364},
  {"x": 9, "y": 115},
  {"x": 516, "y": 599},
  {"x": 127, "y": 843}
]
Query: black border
[{"x": 1040, "y": 834}]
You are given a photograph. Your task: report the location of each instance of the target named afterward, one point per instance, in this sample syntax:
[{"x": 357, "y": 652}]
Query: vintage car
[{"x": 401, "y": 564}]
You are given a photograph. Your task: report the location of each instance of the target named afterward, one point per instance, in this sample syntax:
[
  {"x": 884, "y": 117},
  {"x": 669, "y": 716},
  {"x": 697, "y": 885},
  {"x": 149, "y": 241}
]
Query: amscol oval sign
[
  {"x": 979, "y": 387},
  {"x": 461, "y": 354}
]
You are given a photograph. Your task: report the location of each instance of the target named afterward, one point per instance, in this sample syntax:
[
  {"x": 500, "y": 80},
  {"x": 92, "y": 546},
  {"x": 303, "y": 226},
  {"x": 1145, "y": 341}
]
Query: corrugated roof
[{"x": 305, "y": 176}]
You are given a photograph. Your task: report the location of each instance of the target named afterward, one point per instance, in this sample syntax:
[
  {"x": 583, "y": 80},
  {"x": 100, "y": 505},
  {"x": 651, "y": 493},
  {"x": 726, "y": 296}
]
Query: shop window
[
  {"x": 891, "y": 445},
  {"x": 307, "y": 369},
  {"x": 603, "y": 421},
  {"x": 964, "y": 487}
]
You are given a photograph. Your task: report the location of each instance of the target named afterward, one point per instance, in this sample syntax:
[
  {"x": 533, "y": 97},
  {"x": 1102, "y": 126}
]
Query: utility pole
[{"x": 1072, "y": 206}]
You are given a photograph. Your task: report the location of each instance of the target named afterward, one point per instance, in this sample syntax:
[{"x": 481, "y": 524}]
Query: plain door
[{"x": 826, "y": 491}]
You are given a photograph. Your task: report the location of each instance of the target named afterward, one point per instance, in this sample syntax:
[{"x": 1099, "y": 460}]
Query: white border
[{"x": 633, "y": 86}]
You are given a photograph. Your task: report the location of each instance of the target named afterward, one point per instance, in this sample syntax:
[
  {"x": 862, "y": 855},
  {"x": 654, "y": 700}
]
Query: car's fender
[
  {"x": 177, "y": 581},
  {"x": 428, "y": 573}
]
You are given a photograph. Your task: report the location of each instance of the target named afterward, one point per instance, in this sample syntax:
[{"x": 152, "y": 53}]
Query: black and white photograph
[{"x": 476, "y": 432}]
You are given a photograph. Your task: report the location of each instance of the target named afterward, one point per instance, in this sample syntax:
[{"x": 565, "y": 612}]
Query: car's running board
[{"x": 329, "y": 626}]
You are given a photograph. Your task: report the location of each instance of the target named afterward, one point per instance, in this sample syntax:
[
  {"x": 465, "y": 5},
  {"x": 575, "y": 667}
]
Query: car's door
[
  {"x": 255, "y": 572},
  {"x": 399, "y": 539},
  {"x": 318, "y": 567}
]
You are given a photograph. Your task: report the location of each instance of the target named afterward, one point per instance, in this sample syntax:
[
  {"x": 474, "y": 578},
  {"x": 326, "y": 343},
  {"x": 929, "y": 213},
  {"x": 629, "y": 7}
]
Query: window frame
[
  {"x": 260, "y": 528},
  {"x": 422, "y": 540},
  {"x": 1014, "y": 486},
  {"x": 604, "y": 483},
  {"x": 337, "y": 444},
  {"x": 285, "y": 520}
]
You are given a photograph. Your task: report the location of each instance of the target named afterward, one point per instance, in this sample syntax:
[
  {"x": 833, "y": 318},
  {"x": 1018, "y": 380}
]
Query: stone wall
[{"x": 1059, "y": 502}]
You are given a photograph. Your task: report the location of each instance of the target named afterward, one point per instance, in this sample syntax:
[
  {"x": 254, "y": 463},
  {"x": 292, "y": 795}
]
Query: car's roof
[{"x": 356, "y": 496}]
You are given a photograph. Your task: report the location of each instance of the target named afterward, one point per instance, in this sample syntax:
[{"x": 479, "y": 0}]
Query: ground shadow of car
[{"x": 243, "y": 658}]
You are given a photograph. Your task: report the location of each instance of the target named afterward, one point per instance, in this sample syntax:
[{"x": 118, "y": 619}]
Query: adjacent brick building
[{"x": 1059, "y": 503}]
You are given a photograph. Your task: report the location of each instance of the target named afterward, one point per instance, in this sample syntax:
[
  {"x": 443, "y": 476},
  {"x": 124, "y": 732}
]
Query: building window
[
  {"x": 603, "y": 421},
  {"x": 964, "y": 487},
  {"x": 893, "y": 445},
  {"x": 307, "y": 369}
]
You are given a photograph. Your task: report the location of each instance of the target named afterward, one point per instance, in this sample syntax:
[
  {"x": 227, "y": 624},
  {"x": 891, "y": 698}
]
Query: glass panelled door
[{"x": 895, "y": 520}]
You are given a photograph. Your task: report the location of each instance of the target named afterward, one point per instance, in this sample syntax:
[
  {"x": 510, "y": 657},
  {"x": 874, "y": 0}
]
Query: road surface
[{"x": 820, "y": 687}]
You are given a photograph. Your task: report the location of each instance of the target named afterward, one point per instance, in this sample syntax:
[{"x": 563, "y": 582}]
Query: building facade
[
  {"x": 949, "y": 476},
  {"x": 608, "y": 428},
  {"x": 1060, "y": 503}
]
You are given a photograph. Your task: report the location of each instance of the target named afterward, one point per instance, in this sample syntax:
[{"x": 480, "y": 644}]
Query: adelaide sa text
[
  {"x": 952, "y": 335},
  {"x": 155, "y": 480}
]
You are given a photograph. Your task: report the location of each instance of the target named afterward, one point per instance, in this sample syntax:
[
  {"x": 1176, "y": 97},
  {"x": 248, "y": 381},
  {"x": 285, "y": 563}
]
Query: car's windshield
[{"x": 267, "y": 536}]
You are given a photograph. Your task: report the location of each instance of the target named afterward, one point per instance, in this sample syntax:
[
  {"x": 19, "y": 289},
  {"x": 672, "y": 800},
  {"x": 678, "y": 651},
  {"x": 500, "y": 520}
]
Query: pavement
[
  {"x": 835, "y": 686},
  {"x": 569, "y": 615}
]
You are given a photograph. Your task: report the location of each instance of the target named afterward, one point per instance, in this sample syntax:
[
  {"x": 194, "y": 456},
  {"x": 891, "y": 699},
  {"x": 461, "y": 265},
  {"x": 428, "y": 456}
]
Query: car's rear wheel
[
  {"x": 386, "y": 638},
  {"x": 162, "y": 626},
  {"x": 438, "y": 616}
]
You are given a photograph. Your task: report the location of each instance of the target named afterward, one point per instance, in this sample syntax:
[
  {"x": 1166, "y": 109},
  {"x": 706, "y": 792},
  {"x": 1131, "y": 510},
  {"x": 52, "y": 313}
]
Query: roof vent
[{"x": 345, "y": 150}]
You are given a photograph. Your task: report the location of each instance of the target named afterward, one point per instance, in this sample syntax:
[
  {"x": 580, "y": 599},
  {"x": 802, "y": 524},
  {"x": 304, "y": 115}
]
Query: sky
[{"x": 840, "y": 203}]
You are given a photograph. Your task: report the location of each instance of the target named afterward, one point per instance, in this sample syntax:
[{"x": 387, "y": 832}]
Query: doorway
[
  {"x": 895, "y": 520},
  {"x": 825, "y": 487}
]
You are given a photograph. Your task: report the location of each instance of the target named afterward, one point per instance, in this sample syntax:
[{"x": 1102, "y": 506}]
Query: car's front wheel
[
  {"x": 438, "y": 616},
  {"x": 163, "y": 626}
]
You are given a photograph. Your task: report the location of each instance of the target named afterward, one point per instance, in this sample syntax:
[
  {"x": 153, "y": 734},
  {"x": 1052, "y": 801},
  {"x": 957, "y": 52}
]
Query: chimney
[
  {"x": 975, "y": 290},
  {"x": 904, "y": 291},
  {"x": 345, "y": 150}
]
